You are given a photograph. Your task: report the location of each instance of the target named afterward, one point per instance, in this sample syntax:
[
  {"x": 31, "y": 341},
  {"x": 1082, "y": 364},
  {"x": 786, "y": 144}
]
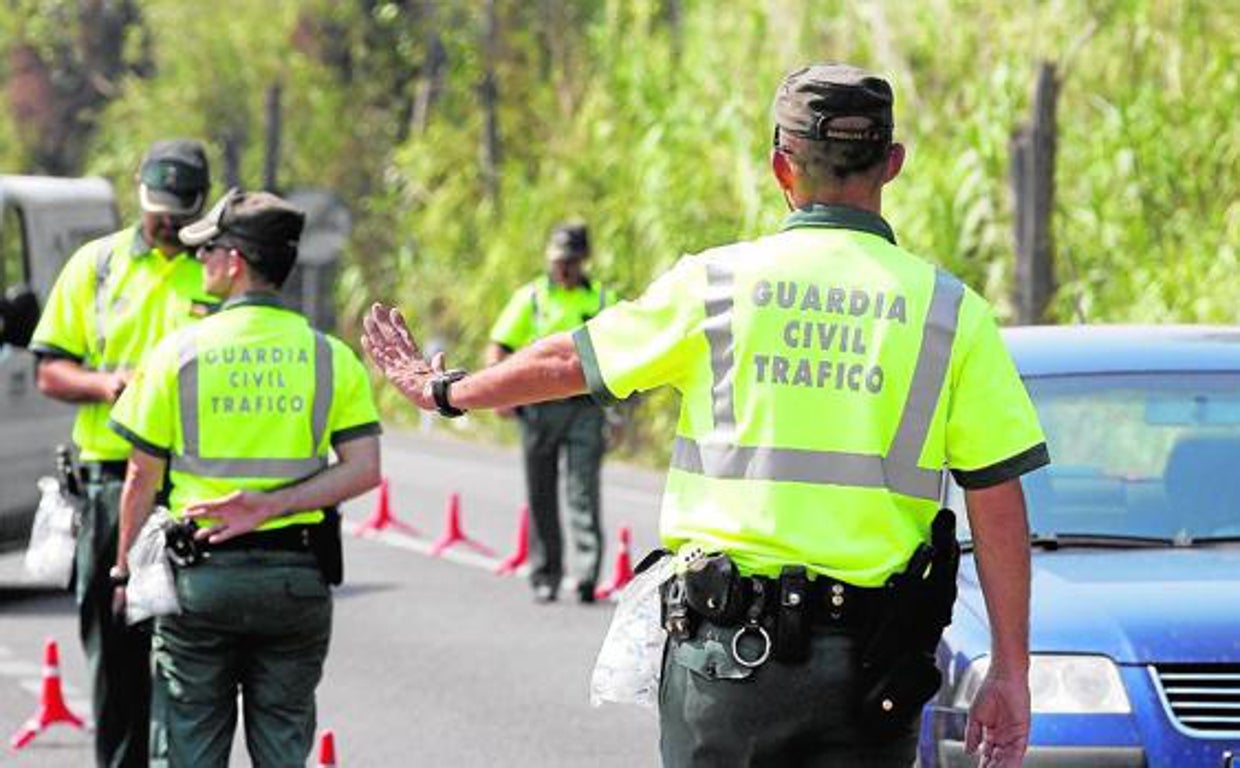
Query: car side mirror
[{"x": 19, "y": 314}]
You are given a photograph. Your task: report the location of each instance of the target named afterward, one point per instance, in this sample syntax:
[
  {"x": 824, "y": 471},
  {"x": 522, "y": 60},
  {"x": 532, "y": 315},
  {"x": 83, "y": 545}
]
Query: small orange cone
[
  {"x": 52, "y": 707},
  {"x": 623, "y": 572},
  {"x": 327, "y": 749},
  {"x": 382, "y": 518},
  {"x": 517, "y": 559},
  {"x": 454, "y": 534}
]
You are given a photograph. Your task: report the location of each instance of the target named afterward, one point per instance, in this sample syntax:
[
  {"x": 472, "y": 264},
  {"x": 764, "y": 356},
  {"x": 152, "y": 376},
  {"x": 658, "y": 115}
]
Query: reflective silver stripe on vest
[
  {"x": 718, "y": 329},
  {"x": 898, "y": 471},
  {"x": 274, "y": 469},
  {"x": 103, "y": 268},
  {"x": 192, "y": 462},
  {"x": 187, "y": 391},
  {"x": 935, "y": 354},
  {"x": 324, "y": 384}
]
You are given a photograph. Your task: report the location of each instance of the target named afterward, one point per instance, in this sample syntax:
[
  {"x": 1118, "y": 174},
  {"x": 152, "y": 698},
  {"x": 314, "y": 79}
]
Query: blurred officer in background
[
  {"x": 243, "y": 411},
  {"x": 559, "y": 301},
  {"x": 114, "y": 300}
]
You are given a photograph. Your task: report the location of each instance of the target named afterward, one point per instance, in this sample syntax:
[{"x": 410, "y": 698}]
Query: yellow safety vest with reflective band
[
  {"x": 252, "y": 398},
  {"x": 115, "y": 299},
  {"x": 828, "y": 377},
  {"x": 543, "y": 307}
]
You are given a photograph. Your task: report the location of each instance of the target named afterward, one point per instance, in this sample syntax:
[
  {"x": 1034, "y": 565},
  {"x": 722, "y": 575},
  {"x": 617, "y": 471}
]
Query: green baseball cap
[
  {"x": 174, "y": 177},
  {"x": 810, "y": 100}
]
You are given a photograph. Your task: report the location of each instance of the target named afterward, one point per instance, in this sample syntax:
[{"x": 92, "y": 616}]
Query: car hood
[{"x": 1136, "y": 606}]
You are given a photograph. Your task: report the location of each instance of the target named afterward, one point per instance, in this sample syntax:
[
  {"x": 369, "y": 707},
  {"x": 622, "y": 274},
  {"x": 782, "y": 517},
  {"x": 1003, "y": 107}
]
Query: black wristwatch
[{"x": 439, "y": 391}]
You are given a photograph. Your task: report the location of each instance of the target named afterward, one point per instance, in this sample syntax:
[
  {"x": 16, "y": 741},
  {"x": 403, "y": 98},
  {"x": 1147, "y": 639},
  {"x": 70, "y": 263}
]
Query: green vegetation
[{"x": 650, "y": 120}]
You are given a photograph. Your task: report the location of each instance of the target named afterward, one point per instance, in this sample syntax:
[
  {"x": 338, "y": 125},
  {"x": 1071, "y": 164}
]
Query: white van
[{"x": 42, "y": 222}]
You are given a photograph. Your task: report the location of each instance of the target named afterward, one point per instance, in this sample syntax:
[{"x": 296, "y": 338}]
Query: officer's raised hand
[
  {"x": 388, "y": 342},
  {"x": 999, "y": 721}
]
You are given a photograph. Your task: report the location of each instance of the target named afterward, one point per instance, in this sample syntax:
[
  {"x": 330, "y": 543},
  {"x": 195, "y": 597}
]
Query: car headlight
[{"x": 1085, "y": 685}]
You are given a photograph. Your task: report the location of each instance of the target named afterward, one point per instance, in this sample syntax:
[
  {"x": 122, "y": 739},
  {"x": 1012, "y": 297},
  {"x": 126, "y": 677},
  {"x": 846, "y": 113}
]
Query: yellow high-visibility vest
[
  {"x": 828, "y": 379},
  {"x": 115, "y": 299},
  {"x": 252, "y": 398}
]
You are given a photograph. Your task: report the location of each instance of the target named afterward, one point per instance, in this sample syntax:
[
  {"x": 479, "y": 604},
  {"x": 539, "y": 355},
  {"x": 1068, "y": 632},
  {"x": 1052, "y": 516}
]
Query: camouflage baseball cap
[
  {"x": 570, "y": 240},
  {"x": 267, "y": 229},
  {"x": 174, "y": 177},
  {"x": 834, "y": 101}
]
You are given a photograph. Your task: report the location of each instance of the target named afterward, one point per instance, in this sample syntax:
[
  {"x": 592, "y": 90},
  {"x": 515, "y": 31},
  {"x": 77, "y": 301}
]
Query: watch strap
[{"x": 439, "y": 390}]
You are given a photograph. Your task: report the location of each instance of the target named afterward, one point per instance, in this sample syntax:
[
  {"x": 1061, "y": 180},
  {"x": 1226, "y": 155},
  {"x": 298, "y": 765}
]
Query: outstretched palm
[{"x": 387, "y": 341}]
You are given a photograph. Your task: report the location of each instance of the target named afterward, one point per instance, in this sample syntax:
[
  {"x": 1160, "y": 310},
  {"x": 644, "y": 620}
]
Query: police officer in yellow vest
[
  {"x": 828, "y": 378},
  {"x": 559, "y": 301},
  {"x": 114, "y": 300},
  {"x": 243, "y": 411}
]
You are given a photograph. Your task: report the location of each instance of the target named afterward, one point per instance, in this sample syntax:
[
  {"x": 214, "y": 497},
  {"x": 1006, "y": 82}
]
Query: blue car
[{"x": 1135, "y": 627}]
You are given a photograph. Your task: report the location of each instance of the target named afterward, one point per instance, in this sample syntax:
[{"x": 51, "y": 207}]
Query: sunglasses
[{"x": 208, "y": 248}]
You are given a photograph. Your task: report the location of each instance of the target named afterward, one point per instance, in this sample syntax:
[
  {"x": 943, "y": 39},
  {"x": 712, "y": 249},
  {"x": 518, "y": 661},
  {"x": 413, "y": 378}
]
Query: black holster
[
  {"x": 327, "y": 548},
  {"x": 898, "y": 658}
]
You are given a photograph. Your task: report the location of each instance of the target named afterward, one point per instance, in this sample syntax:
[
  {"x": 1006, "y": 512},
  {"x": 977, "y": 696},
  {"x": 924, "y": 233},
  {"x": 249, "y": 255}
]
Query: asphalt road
[{"x": 434, "y": 661}]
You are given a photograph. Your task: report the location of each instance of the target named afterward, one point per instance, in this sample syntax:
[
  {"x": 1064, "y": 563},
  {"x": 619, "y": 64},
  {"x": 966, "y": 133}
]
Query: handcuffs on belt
[{"x": 753, "y": 624}]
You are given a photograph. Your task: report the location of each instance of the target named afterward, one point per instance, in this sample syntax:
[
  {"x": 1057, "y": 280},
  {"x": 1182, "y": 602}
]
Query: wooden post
[
  {"x": 271, "y": 161},
  {"x": 490, "y": 97},
  {"x": 1033, "y": 193},
  {"x": 233, "y": 142}
]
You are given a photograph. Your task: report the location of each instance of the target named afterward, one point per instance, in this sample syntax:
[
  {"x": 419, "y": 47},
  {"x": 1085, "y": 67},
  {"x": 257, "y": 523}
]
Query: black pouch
[
  {"x": 326, "y": 546},
  {"x": 894, "y": 695},
  {"x": 676, "y": 617},
  {"x": 184, "y": 550},
  {"x": 713, "y": 589},
  {"x": 792, "y": 630}
]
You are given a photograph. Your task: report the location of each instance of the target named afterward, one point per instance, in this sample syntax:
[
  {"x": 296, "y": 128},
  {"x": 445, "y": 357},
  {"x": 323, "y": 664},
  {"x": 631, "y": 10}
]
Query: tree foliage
[{"x": 650, "y": 118}]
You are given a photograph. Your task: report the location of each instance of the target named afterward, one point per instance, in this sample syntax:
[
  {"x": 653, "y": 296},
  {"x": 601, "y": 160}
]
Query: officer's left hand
[
  {"x": 232, "y": 515},
  {"x": 388, "y": 342},
  {"x": 999, "y": 721}
]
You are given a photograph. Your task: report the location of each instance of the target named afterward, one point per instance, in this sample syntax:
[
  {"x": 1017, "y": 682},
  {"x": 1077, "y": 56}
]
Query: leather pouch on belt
[
  {"x": 791, "y": 644},
  {"x": 713, "y": 589}
]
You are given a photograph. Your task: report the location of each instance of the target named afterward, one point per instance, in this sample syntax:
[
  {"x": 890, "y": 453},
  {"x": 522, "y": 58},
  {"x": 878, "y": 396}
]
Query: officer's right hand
[
  {"x": 114, "y": 384},
  {"x": 999, "y": 721}
]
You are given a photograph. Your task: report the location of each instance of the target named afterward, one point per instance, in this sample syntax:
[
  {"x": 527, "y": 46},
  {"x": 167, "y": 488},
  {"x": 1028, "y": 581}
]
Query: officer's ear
[
  {"x": 895, "y": 162},
  {"x": 781, "y": 166},
  {"x": 236, "y": 262}
]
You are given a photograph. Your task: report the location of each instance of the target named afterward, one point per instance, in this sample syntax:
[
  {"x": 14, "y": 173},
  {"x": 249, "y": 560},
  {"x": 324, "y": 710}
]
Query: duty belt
[
  {"x": 292, "y": 538},
  {"x": 828, "y": 601}
]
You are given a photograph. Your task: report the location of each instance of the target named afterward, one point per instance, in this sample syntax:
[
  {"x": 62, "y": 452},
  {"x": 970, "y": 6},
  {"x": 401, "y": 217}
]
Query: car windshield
[{"x": 1151, "y": 455}]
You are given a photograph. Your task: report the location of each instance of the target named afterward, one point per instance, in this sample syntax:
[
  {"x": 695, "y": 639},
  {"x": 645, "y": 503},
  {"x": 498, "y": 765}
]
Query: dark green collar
[
  {"x": 839, "y": 217},
  {"x": 254, "y": 299}
]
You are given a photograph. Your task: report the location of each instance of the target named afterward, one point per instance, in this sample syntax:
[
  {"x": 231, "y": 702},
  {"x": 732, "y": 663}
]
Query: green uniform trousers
[
  {"x": 253, "y": 622},
  {"x": 118, "y": 657},
  {"x": 573, "y": 427},
  {"x": 716, "y": 713}
]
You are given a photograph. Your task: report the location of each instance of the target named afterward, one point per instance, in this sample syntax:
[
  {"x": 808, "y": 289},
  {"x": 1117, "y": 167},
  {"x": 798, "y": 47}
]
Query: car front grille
[{"x": 1204, "y": 698}]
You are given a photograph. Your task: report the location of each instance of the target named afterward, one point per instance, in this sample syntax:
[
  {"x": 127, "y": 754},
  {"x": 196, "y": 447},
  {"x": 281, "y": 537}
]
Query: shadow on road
[{"x": 36, "y": 600}]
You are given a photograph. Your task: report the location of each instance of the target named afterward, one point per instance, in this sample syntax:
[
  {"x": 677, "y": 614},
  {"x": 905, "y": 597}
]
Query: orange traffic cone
[
  {"x": 52, "y": 707},
  {"x": 454, "y": 534},
  {"x": 382, "y": 517},
  {"x": 327, "y": 749},
  {"x": 517, "y": 559},
  {"x": 623, "y": 572}
]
